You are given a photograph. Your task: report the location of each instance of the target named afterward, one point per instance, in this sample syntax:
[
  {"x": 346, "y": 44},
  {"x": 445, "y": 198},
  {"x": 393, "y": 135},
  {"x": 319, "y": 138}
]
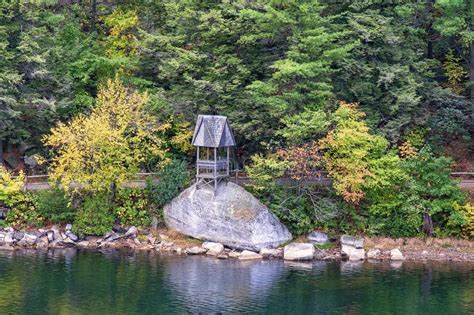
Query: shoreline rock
[
  {"x": 394, "y": 250},
  {"x": 299, "y": 251}
]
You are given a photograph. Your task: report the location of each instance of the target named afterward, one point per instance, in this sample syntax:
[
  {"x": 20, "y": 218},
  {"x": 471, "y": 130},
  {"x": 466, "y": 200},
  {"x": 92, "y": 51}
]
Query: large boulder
[{"x": 232, "y": 217}]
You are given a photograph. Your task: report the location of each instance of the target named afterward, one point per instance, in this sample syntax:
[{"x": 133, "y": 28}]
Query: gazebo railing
[{"x": 210, "y": 167}]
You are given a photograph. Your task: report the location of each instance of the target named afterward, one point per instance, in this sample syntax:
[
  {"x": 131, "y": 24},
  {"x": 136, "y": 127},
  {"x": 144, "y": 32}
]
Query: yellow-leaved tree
[
  {"x": 102, "y": 150},
  {"x": 349, "y": 149}
]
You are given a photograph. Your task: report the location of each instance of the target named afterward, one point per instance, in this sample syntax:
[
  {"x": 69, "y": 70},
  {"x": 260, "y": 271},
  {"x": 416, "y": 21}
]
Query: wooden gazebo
[{"x": 213, "y": 138}]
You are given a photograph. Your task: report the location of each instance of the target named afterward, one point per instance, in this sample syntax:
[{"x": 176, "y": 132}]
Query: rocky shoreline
[{"x": 316, "y": 246}]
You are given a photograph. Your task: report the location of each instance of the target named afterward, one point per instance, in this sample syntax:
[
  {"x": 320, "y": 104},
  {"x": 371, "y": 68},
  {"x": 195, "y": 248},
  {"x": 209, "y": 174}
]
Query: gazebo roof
[{"x": 213, "y": 131}]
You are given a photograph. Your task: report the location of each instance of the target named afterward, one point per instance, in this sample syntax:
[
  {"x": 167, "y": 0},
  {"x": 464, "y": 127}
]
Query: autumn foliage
[{"x": 108, "y": 146}]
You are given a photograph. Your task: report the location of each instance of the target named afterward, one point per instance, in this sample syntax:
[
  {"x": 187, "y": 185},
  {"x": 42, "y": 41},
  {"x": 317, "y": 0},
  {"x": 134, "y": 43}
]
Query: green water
[{"x": 70, "y": 282}]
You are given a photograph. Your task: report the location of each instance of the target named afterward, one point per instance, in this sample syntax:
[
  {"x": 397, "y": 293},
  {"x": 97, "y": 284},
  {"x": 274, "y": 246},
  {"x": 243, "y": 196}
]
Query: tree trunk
[
  {"x": 470, "y": 10},
  {"x": 427, "y": 224},
  {"x": 113, "y": 193},
  {"x": 429, "y": 31},
  {"x": 471, "y": 81},
  {"x": 1, "y": 153},
  {"x": 93, "y": 14}
]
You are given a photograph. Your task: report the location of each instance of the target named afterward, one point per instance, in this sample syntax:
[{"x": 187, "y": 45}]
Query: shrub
[
  {"x": 132, "y": 207},
  {"x": 94, "y": 216},
  {"x": 23, "y": 212},
  {"x": 173, "y": 178},
  {"x": 54, "y": 206},
  {"x": 422, "y": 187}
]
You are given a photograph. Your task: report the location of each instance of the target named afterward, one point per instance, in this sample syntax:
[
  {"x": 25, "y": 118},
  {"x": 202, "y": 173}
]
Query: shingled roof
[{"x": 213, "y": 131}]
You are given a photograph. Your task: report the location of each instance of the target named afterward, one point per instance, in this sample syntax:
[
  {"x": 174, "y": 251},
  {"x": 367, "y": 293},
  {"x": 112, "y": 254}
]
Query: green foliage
[
  {"x": 94, "y": 216},
  {"x": 416, "y": 185},
  {"x": 349, "y": 150},
  {"x": 276, "y": 69},
  {"x": 54, "y": 206},
  {"x": 292, "y": 209},
  {"x": 131, "y": 207},
  {"x": 264, "y": 170},
  {"x": 172, "y": 178},
  {"x": 22, "y": 212}
]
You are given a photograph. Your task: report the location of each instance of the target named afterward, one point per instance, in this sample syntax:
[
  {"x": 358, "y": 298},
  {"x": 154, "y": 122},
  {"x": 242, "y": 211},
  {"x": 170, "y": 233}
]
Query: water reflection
[
  {"x": 221, "y": 285},
  {"x": 111, "y": 282}
]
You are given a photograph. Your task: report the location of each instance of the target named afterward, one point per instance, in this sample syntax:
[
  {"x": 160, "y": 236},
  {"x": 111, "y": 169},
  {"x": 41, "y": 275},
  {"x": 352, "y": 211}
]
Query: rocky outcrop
[
  {"x": 299, "y": 251},
  {"x": 352, "y": 247},
  {"x": 232, "y": 217}
]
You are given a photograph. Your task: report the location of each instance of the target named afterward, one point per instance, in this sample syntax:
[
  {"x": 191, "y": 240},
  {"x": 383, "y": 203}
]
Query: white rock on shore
[
  {"x": 352, "y": 247},
  {"x": 213, "y": 249},
  {"x": 298, "y": 251},
  {"x": 396, "y": 254}
]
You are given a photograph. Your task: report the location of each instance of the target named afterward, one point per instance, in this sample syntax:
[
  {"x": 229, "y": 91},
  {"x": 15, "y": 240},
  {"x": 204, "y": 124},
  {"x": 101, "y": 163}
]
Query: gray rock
[
  {"x": 42, "y": 242},
  {"x": 50, "y": 235},
  {"x": 213, "y": 248},
  {"x": 222, "y": 256},
  {"x": 356, "y": 242},
  {"x": 396, "y": 254},
  {"x": 151, "y": 239},
  {"x": 298, "y": 251},
  {"x": 352, "y": 253},
  {"x": 232, "y": 217},
  {"x": 68, "y": 227},
  {"x": 132, "y": 232},
  {"x": 373, "y": 253},
  {"x": 234, "y": 254},
  {"x": 318, "y": 238},
  {"x": 271, "y": 252},
  {"x": 9, "y": 238},
  {"x": 30, "y": 239},
  {"x": 196, "y": 250},
  {"x": 83, "y": 244},
  {"x": 17, "y": 236},
  {"x": 113, "y": 237},
  {"x": 73, "y": 237},
  {"x": 56, "y": 233},
  {"x": 249, "y": 255},
  {"x": 352, "y": 247}
]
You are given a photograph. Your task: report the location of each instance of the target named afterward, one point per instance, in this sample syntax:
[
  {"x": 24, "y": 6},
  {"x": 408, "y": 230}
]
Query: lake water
[{"x": 70, "y": 282}]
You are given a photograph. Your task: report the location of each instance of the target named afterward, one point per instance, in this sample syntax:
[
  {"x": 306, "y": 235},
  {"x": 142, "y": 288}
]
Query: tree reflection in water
[{"x": 70, "y": 282}]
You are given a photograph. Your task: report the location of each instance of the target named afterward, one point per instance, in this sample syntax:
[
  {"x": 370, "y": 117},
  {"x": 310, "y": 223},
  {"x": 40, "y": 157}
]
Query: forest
[{"x": 377, "y": 95}]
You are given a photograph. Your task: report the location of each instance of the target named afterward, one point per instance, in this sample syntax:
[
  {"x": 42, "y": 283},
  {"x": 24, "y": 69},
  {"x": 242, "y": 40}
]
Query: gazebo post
[
  {"x": 197, "y": 162},
  {"x": 215, "y": 170},
  {"x": 228, "y": 162}
]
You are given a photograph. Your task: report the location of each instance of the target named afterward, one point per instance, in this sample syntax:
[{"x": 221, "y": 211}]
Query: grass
[{"x": 325, "y": 246}]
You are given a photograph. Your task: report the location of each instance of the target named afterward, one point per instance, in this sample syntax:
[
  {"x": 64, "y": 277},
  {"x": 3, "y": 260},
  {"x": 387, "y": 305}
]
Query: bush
[
  {"x": 54, "y": 206},
  {"x": 23, "y": 212},
  {"x": 425, "y": 189},
  {"x": 94, "y": 216},
  {"x": 173, "y": 178},
  {"x": 132, "y": 207}
]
